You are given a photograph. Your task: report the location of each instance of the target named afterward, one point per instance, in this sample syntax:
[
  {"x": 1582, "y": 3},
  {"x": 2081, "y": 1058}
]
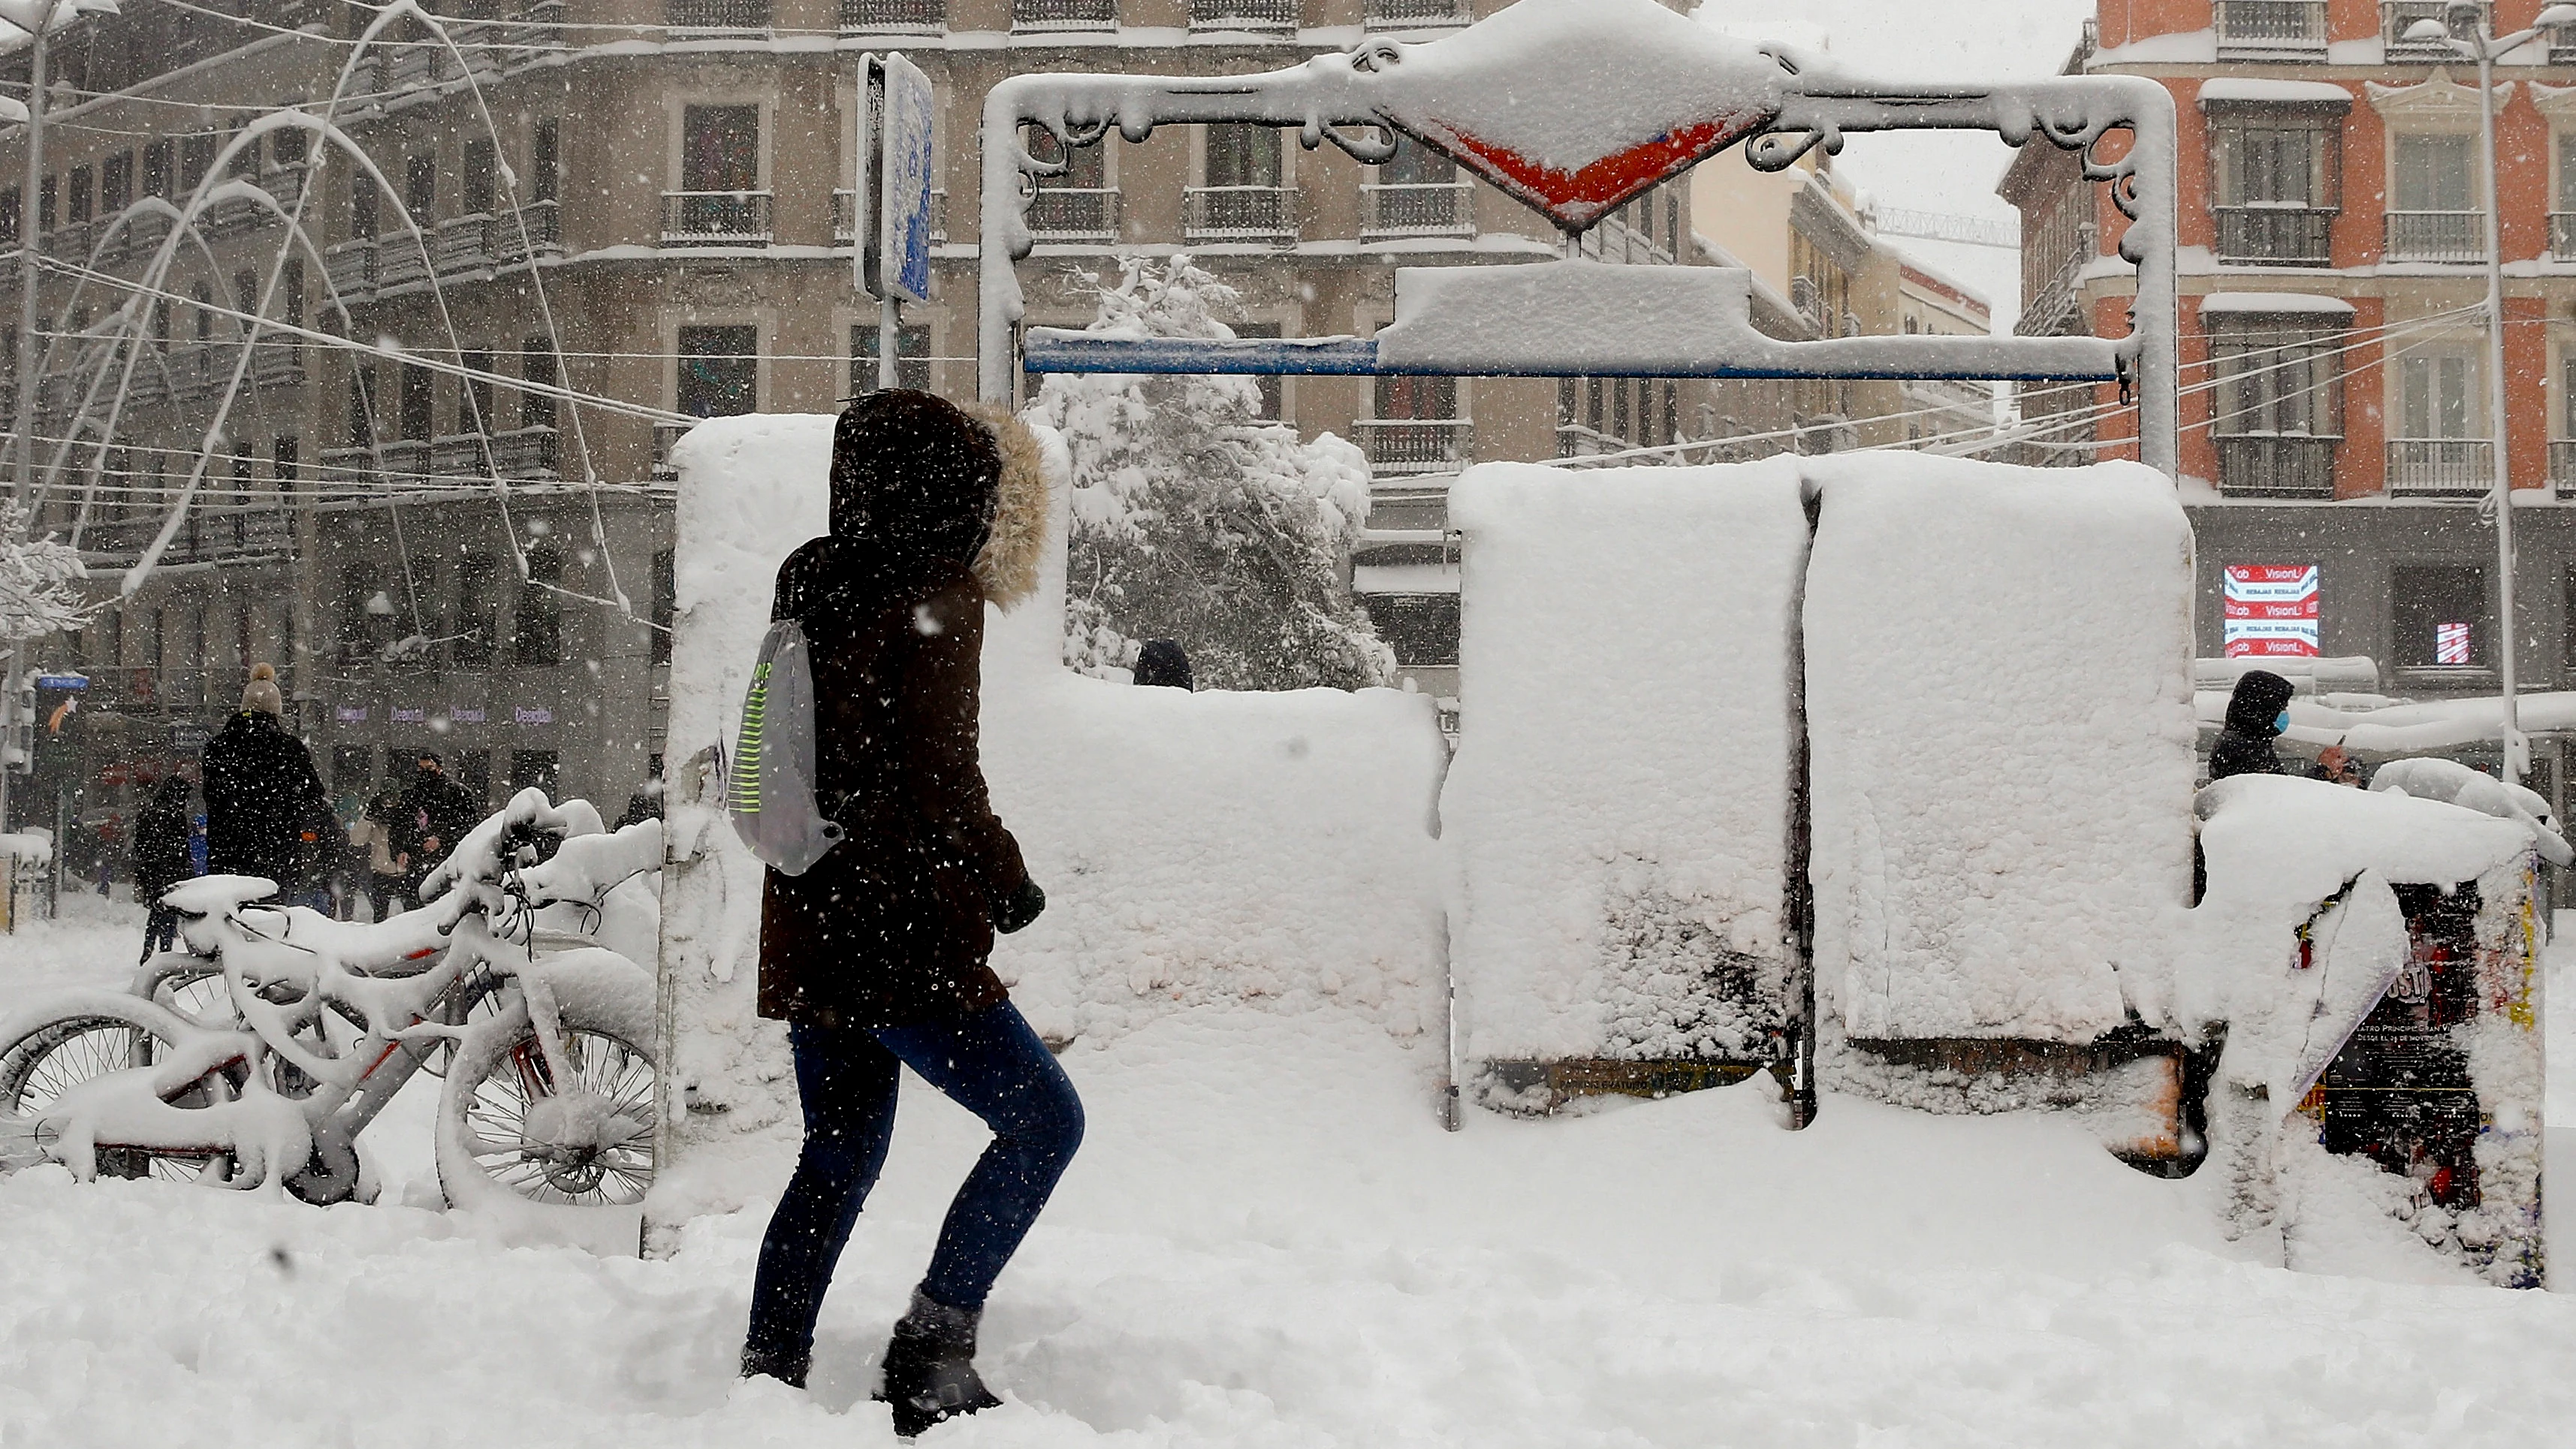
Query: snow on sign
[
  {"x": 891, "y": 186},
  {"x": 2272, "y": 611}
]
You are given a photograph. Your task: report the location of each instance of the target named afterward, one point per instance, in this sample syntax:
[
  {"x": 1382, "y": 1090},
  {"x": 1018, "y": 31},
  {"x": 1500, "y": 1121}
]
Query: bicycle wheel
[
  {"x": 508, "y": 1128},
  {"x": 48, "y": 1058},
  {"x": 195, "y": 991}
]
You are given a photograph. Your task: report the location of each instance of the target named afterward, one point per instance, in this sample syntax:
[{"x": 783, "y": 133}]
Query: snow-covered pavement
[{"x": 1267, "y": 1241}]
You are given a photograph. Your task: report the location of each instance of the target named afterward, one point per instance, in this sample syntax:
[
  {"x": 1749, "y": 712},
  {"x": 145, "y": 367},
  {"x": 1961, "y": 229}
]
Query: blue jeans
[{"x": 990, "y": 1063}]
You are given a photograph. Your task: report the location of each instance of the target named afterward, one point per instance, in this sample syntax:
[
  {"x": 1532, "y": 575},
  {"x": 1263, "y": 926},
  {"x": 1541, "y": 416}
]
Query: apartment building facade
[
  {"x": 646, "y": 201},
  {"x": 2335, "y": 353}
]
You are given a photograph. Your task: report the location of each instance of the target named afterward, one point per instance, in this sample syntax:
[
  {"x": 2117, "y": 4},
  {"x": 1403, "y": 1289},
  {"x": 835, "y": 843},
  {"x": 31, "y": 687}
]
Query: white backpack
[{"x": 770, "y": 791}]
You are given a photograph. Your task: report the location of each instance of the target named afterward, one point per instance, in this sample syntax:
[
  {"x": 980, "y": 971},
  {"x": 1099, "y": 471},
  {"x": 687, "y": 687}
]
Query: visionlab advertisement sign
[{"x": 2272, "y": 611}]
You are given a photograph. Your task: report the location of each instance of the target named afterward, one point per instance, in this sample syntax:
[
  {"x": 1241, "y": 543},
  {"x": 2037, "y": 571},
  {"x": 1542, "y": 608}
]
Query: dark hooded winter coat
[
  {"x": 161, "y": 842},
  {"x": 933, "y": 513},
  {"x": 2244, "y": 747},
  {"x": 262, "y": 796},
  {"x": 434, "y": 807}
]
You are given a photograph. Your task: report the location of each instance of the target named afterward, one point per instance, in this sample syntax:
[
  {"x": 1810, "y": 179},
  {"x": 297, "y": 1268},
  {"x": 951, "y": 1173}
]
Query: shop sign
[
  {"x": 351, "y": 714},
  {"x": 2272, "y": 611},
  {"x": 526, "y": 716},
  {"x": 459, "y": 714},
  {"x": 411, "y": 714}
]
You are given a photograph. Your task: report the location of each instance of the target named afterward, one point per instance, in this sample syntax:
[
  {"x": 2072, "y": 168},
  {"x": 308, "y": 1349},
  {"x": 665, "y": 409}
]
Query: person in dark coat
[
  {"x": 2256, "y": 715},
  {"x": 436, "y": 812},
  {"x": 161, "y": 860},
  {"x": 262, "y": 793},
  {"x": 1163, "y": 662},
  {"x": 876, "y": 956}
]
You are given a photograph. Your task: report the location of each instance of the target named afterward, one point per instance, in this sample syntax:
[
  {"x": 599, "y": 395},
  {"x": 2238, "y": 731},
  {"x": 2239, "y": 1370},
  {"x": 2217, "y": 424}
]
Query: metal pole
[
  {"x": 23, "y": 470},
  {"x": 2509, "y": 645}
]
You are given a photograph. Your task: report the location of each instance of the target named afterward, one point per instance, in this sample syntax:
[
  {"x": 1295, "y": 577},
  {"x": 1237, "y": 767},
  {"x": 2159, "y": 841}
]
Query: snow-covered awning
[
  {"x": 2241, "y": 91},
  {"x": 2274, "y": 304}
]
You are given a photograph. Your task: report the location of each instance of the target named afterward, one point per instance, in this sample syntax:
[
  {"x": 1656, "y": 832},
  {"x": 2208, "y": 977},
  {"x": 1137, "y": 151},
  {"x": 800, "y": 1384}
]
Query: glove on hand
[{"x": 1022, "y": 906}]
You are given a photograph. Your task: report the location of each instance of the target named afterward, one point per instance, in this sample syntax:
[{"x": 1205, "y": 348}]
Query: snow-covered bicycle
[{"x": 258, "y": 1055}]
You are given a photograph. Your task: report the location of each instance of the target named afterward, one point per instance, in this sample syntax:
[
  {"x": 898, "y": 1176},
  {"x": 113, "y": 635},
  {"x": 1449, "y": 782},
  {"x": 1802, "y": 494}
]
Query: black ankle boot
[
  {"x": 930, "y": 1367},
  {"x": 782, "y": 1367}
]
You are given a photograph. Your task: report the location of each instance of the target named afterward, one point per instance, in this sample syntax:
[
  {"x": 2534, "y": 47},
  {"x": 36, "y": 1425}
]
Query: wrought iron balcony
[
  {"x": 901, "y": 16},
  {"x": 1262, "y": 15},
  {"x": 2275, "y": 236},
  {"x": 1416, "y": 445},
  {"x": 1409, "y": 14},
  {"x": 2436, "y": 236},
  {"x": 718, "y": 19},
  {"x": 2396, "y": 17},
  {"x": 1240, "y": 214},
  {"x": 665, "y": 437},
  {"x": 2458, "y": 467},
  {"x": 1428, "y": 208},
  {"x": 2271, "y": 29},
  {"x": 715, "y": 218},
  {"x": 409, "y": 67},
  {"x": 459, "y": 455},
  {"x": 1064, "y": 14},
  {"x": 2276, "y": 465},
  {"x": 1069, "y": 214},
  {"x": 464, "y": 246},
  {"x": 531, "y": 452},
  {"x": 278, "y": 364},
  {"x": 350, "y": 268},
  {"x": 402, "y": 262},
  {"x": 543, "y": 236}
]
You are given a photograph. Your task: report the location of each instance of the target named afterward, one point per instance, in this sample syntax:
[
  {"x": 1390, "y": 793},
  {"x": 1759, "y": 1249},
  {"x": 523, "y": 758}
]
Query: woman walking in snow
[{"x": 877, "y": 955}]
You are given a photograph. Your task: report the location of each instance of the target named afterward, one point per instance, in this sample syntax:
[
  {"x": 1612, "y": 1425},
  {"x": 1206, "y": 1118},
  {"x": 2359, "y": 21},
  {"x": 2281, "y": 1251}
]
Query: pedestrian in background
[
  {"x": 436, "y": 812},
  {"x": 372, "y": 838},
  {"x": 263, "y": 796},
  {"x": 2257, "y": 714}
]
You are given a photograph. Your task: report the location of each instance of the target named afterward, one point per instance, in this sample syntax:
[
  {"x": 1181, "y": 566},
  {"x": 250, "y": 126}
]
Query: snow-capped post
[
  {"x": 890, "y": 195},
  {"x": 1574, "y": 107}
]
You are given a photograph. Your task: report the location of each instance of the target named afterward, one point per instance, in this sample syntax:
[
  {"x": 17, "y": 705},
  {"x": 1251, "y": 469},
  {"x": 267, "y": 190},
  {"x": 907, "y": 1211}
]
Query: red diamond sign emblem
[{"x": 1577, "y": 106}]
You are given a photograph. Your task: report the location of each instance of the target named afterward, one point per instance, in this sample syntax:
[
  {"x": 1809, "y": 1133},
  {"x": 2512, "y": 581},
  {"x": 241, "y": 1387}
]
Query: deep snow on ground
[{"x": 1267, "y": 1241}]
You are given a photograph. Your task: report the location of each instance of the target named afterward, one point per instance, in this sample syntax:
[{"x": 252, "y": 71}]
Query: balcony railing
[
  {"x": 401, "y": 261},
  {"x": 718, "y": 19},
  {"x": 1427, "y": 208},
  {"x": 715, "y": 218},
  {"x": 1246, "y": 14},
  {"x": 665, "y": 437},
  {"x": 278, "y": 364},
  {"x": 2436, "y": 236},
  {"x": 543, "y": 238},
  {"x": 351, "y": 270},
  {"x": 1064, "y": 214},
  {"x": 845, "y": 231},
  {"x": 2274, "y": 465},
  {"x": 1064, "y": 14},
  {"x": 2274, "y": 236},
  {"x": 1417, "y": 445},
  {"x": 2271, "y": 29},
  {"x": 906, "y": 16},
  {"x": 458, "y": 455},
  {"x": 1240, "y": 213},
  {"x": 464, "y": 246},
  {"x": 1405, "y": 14},
  {"x": 2456, "y": 466},
  {"x": 2396, "y": 17},
  {"x": 531, "y": 452}
]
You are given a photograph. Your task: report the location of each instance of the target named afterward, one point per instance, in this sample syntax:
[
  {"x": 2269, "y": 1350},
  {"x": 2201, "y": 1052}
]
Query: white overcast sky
[{"x": 1938, "y": 40}]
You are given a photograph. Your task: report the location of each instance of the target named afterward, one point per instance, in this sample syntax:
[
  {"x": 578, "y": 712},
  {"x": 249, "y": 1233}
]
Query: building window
[
  {"x": 2278, "y": 410},
  {"x": 417, "y": 420},
  {"x": 1272, "y": 397},
  {"x": 2440, "y": 616},
  {"x": 78, "y": 204},
  {"x": 478, "y": 617},
  {"x": 116, "y": 183},
  {"x": 537, "y": 365},
  {"x": 1243, "y": 155},
  {"x": 1417, "y": 398},
  {"x": 286, "y": 466},
  {"x": 539, "y": 634},
  {"x": 2437, "y": 396},
  {"x": 480, "y": 175},
  {"x": 2276, "y": 177},
  {"x": 1074, "y": 200},
  {"x": 420, "y": 187},
  {"x": 540, "y": 769},
  {"x": 159, "y": 166},
  {"x": 362, "y": 411},
  {"x": 362, "y": 207},
  {"x": 911, "y": 357},
  {"x": 290, "y": 292},
  {"x": 196, "y": 155},
  {"x": 544, "y": 150},
  {"x": 719, "y": 371},
  {"x": 1422, "y": 629},
  {"x": 720, "y": 148},
  {"x": 12, "y": 204},
  {"x": 2433, "y": 215},
  {"x": 476, "y": 415}
]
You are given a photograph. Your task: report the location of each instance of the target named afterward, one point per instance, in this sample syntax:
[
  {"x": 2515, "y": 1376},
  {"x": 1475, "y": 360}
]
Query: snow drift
[{"x": 1618, "y": 811}]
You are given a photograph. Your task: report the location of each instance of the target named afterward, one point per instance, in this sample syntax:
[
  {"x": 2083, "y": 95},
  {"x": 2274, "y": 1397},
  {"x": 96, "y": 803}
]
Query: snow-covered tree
[
  {"x": 1196, "y": 520},
  {"x": 40, "y": 579}
]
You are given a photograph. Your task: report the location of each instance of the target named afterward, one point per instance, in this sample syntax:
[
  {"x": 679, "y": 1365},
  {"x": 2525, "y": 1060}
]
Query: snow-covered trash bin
[
  {"x": 1618, "y": 814},
  {"x": 1999, "y": 703},
  {"x": 2374, "y": 960}
]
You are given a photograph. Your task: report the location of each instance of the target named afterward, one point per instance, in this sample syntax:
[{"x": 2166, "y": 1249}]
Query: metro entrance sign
[{"x": 1574, "y": 107}]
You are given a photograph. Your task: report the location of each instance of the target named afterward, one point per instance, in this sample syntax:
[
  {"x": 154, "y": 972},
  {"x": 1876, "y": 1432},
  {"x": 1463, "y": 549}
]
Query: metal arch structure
[{"x": 1778, "y": 102}]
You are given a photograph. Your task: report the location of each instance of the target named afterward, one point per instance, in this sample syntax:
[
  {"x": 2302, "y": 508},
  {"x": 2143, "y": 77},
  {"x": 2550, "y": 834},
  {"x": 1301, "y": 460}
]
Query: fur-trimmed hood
[{"x": 1007, "y": 566}]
